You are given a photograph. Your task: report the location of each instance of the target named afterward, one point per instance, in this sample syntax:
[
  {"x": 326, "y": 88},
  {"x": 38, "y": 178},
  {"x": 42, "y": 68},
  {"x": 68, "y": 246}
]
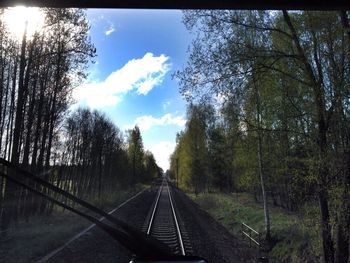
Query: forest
[
  {"x": 81, "y": 151},
  {"x": 268, "y": 113}
]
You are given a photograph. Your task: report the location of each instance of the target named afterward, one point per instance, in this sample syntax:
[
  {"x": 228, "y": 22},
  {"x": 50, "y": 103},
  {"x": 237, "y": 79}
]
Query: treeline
[
  {"x": 269, "y": 113},
  {"x": 96, "y": 159},
  {"x": 83, "y": 152},
  {"x": 36, "y": 76}
]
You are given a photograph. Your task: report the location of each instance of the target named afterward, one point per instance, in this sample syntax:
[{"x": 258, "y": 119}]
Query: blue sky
[{"x": 137, "y": 52}]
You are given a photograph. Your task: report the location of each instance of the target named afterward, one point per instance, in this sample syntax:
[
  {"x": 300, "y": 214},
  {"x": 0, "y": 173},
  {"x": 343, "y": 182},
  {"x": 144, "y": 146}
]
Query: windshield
[{"x": 218, "y": 135}]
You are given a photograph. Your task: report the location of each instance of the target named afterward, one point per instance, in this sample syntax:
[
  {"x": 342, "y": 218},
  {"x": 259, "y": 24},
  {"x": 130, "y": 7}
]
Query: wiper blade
[{"x": 139, "y": 243}]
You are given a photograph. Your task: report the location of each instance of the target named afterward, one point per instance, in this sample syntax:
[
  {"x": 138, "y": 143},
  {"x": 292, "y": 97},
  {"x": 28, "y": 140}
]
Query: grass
[
  {"x": 30, "y": 241},
  {"x": 110, "y": 201},
  {"x": 296, "y": 234}
]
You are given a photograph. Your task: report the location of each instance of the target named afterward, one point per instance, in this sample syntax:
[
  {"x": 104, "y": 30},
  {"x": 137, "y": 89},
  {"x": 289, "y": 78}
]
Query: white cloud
[
  {"x": 110, "y": 30},
  {"x": 146, "y": 122},
  {"x": 162, "y": 152},
  {"x": 147, "y": 85},
  {"x": 141, "y": 75}
]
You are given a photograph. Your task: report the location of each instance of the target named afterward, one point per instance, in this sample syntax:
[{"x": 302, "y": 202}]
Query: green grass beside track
[
  {"x": 30, "y": 241},
  {"x": 296, "y": 234}
]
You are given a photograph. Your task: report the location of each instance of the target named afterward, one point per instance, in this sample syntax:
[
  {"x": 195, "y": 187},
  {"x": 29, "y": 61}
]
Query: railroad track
[{"x": 164, "y": 223}]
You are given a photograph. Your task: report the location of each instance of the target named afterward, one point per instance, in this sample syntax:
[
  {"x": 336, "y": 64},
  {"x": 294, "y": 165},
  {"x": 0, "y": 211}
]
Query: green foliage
[
  {"x": 152, "y": 170},
  {"x": 142, "y": 165},
  {"x": 135, "y": 153},
  {"x": 283, "y": 122},
  {"x": 221, "y": 157},
  {"x": 189, "y": 162},
  {"x": 296, "y": 234}
]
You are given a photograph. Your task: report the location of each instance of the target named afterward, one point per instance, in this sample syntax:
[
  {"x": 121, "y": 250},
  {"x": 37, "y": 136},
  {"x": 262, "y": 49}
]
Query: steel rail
[
  {"x": 154, "y": 210},
  {"x": 157, "y": 206},
  {"x": 176, "y": 223}
]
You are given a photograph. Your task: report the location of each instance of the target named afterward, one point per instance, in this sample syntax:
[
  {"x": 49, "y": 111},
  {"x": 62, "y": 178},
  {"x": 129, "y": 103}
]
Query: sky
[{"x": 130, "y": 81}]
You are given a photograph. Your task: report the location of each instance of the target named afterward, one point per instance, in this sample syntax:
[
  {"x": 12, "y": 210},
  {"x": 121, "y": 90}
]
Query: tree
[
  {"x": 93, "y": 154},
  {"x": 36, "y": 82},
  {"x": 135, "y": 154},
  {"x": 151, "y": 168},
  {"x": 219, "y": 161},
  {"x": 190, "y": 159},
  {"x": 295, "y": 62}
]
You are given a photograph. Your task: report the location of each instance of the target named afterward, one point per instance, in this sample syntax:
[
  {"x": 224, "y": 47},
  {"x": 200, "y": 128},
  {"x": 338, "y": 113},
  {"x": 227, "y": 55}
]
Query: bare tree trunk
[
  {"x": 2, "y": 100},
  {"x": 38, "y": 123},
  {"x": 346, "y": 25},
  {"x": 32, "y": 102},
  {"x": 53, "y": 108},
  {"x": 8, "y": 143},
  {"x": 327, "y": 242},
  {"x": 20, "y": 101},
  {"x": 260, "y": 161},
  {"x": 3, "y": 115},
  {"x": 100, "y": 176},
  {"x": 11, "y": 190}
]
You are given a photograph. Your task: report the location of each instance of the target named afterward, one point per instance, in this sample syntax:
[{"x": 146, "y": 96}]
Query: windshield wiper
[{"x": 144, "y": 246}]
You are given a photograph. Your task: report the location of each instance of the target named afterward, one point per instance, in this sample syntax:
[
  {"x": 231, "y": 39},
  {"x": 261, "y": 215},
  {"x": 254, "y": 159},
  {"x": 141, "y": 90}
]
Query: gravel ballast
[
  {"x": 203, "y": 235},
  {"x": 209, "y": 238}
]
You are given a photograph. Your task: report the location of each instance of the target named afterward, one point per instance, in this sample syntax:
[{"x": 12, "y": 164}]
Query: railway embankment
[{"x": 295, "y": 234}]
